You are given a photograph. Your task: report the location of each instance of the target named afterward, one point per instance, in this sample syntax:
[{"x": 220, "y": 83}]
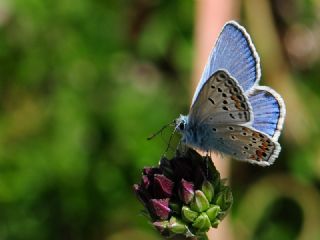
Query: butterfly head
[{"x": 181, "y": 123}]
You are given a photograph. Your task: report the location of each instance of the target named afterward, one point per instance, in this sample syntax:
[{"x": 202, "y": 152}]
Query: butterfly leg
[{"x": 169, "y": 143}]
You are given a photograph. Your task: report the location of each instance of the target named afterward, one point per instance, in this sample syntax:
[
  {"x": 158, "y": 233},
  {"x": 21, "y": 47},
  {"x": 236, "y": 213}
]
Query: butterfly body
[{"x": 230, "y": 113}]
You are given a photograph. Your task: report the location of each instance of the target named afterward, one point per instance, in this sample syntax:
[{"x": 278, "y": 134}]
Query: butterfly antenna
[
  {"x": 160, "y": 131},
  {"x": 170, "y": 139}
]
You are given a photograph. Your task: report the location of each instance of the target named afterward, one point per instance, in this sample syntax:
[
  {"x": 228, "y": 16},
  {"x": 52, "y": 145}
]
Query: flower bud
[
  {"x": 162, "y": 186},
  {"x": 200, "y": 202},
  {"x": 208, "y": 190},
  {"x": 213, "y": 212},
  {"x": 215, "y": 223},
  {"x": 177, "y": 226},
  {"x": 160, "y": 208},
  {"x": 141, "y": 194},
  {"x": 202, "y": 222},
  {"x": 148, "y": 170},
  {"x": 186, "y": 191},
  {"x": 224, "y": 199},
  {"x": 161, "y": 226},
  {"x": 188, "y": 215},
  {"x": 145, "y": 181}
]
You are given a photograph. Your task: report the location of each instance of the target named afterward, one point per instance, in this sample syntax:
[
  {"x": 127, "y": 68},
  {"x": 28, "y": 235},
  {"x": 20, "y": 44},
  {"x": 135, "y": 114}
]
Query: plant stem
[{"x": 181, "y": 237}]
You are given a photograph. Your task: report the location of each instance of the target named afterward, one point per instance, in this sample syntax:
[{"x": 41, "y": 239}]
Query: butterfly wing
[
  {"x": 235, "y": 53},
  {"x": 229, "y": 113},
  {"x": 269, "y": 111},
  {"x": 221, "y": 100},
  {"x": 243, "y": 143}
]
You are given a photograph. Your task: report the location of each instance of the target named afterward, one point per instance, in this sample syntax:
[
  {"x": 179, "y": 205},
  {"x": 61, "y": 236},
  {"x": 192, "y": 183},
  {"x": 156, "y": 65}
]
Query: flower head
[{"x": 184, "y": 195}]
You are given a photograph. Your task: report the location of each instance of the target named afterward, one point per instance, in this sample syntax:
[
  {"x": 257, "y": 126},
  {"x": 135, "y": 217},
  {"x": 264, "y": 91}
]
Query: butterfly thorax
[{"x": 192, "y": 133}]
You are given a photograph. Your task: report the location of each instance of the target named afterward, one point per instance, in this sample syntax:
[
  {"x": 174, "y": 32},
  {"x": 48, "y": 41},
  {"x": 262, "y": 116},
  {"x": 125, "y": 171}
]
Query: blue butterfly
[{"x": 230, "y": 113}]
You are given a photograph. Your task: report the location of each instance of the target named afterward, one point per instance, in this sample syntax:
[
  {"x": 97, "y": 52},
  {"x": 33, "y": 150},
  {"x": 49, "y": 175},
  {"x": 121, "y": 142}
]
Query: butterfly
[{"x": 230, "y": 113}]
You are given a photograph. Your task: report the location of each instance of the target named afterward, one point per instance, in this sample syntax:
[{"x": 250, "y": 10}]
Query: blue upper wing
[
  {"x": 235, "y": 53},
  {"x": 268, "y": 111}
]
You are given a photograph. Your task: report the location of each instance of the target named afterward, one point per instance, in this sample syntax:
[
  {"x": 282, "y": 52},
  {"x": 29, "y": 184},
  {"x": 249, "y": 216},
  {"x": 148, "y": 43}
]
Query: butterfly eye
[{"x": 181, "y": 126}]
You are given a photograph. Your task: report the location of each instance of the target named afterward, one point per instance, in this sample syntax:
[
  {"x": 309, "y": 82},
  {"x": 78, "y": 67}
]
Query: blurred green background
[{"x": 83, "y": 83}]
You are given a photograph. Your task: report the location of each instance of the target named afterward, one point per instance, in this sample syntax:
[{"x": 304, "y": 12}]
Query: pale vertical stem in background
[
  {"x": 211, "y": 15},
  {"x": 276, "y": 71}
]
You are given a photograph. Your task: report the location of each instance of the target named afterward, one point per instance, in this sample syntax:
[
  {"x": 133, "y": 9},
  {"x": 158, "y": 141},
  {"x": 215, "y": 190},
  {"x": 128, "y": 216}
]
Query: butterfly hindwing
[
  {"x": 268, "y": 109},
  {"x": 235, "y": 53},
  {"x": 221, "y": 100},
  {"x": 243, "y": 143}
]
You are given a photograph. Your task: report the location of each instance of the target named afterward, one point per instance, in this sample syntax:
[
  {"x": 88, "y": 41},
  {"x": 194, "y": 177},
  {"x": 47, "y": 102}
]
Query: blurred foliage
[{"x": 83, "y": 83}]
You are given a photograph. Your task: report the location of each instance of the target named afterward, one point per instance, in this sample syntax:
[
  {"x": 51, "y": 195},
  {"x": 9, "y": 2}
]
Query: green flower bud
[
  {"x": 208, "y": 190},
  {"x": 188, "y": 215},
  {"x": 202, "y": 222},
  {"x": 221, "y": 215},
  {"x": 177, "y": 226},
  {"x": 161, "y": 226},
  {"x": 224, "y": 199},
  {"x": 215, "y": 223},
  {"x": 220, "y": 199},
  {"x": 213, "y": 212},
  {"x": 200, "y": 202}
]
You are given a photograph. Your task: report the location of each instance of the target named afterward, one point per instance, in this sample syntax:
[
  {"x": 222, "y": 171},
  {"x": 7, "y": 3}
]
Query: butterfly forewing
[
  {"x": 221, "y": 100},
  {"x": 244, "y": 143},
  {"x": 234, "y": 52}
]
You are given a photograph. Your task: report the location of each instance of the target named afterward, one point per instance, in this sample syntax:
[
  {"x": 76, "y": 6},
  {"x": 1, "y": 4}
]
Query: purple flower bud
[
  {"x": 141, "y": 194},
  {"x": 186, "y": 191},
  {"x": 160, "y": 208},
  {"x": 145, "y": 182},
  {"x": 161, "y": 226},
  {"x": 162, "y": 186},
  {"x": 136, "y": 188},
  {"x": 149, "y": 171}
]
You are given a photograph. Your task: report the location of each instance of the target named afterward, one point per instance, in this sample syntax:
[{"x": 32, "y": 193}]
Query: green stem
[{"x": 182, "y": 237}]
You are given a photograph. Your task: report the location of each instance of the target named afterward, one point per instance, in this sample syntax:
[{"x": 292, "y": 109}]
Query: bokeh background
[{"x": 83, "y": 83}]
